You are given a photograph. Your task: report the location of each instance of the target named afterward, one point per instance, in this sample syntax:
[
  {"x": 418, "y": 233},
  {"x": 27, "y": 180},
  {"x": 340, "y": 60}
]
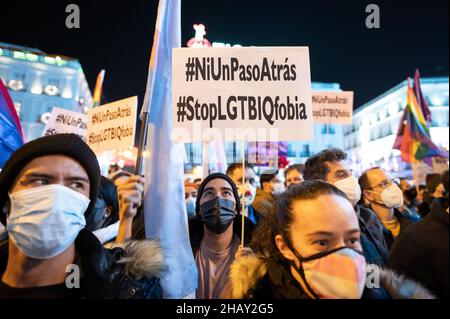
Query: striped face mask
[{"x": 336, "y": 274}]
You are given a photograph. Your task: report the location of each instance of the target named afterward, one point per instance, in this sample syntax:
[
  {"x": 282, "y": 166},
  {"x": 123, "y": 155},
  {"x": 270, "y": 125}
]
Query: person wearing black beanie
[
  {"x": 215, "y": 235},
  {"x": 48, "y": 188},
  {"x": 69, "y": 145}
]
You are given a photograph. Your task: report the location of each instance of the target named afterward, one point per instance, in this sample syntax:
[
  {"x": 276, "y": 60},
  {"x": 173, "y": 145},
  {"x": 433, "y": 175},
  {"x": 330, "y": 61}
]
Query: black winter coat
[
  {"x": 373, "y": 237},
  {"x": 422, "y": 251},
  {"x": 131, "y": 271}
]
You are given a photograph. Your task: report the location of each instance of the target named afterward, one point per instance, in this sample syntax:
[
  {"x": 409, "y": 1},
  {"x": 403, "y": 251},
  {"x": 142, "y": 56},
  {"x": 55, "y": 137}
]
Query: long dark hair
[{"x": 279, "y": 221}]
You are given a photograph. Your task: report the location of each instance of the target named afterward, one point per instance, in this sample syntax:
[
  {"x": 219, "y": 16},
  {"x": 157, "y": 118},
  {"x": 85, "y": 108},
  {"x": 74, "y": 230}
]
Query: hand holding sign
[{"x": 130, "y": 193}]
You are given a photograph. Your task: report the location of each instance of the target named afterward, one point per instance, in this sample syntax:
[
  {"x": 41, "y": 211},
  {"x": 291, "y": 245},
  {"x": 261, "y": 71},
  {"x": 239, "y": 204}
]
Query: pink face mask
[{"x": 336, "y": 274}]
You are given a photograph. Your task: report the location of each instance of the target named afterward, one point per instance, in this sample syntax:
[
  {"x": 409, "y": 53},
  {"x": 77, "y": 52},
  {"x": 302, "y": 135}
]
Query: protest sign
[
  {"x": 65, "y": 121},
  {"x": 112, "y": 126},
  {"x": 332, "y": 107},
  {"x": 250, "y": 94},
  {"x": 272, "y": 154}
]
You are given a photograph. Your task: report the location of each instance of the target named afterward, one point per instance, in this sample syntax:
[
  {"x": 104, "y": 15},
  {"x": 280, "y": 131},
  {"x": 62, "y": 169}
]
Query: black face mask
[{"x": 217, "y": 214}]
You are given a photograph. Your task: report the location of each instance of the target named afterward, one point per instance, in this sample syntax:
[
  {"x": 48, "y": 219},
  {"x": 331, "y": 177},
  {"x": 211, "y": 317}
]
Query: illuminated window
[
  {"x": 51, "y": 90},
  {"x": 60, "y": 61},
  {"x": 52, "y": 87},
  {"x": 306, "y": 152},
  {"x": 19, "y": 55},
  {"x": 328, "y": 129},
  {"x": 31, "y": 57},
  {"x": 291, "y": 152},
  {"x": 16, "y": 85},
  {"x": 18, "y": 76},
  {"x": 36, "y": 89},
  {"x": 45, "y": 117},
  {"x": 55, "y": 60},
  {"x": 49, "y": 60}
]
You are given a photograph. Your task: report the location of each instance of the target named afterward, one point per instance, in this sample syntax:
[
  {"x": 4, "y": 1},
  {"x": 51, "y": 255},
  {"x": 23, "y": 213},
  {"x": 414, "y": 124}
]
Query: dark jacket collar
[
  {"x": 258, "y": 277},
  {"x": 282, "y": 284}
]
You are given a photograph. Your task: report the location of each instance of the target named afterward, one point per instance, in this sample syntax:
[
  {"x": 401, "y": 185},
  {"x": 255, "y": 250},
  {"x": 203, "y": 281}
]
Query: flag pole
[
  {"x": 416, "y": 175},
  {"x": 243, "y": 193},
  {"x": 141, "y": 143}
]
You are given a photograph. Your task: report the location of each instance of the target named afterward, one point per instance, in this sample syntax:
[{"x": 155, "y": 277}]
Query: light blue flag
[{"x": 164, "y": 205}]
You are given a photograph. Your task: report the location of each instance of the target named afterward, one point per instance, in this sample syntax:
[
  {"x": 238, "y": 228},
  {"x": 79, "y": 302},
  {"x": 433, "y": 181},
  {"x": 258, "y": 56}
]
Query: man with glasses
[
  {"x": 332, "y": 166},
  {"x": 235, "y": 172},
  {"x": 384, "y": 197}
]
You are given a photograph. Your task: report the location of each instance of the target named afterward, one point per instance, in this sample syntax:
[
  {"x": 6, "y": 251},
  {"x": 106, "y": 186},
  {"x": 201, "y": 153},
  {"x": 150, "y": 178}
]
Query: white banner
[
  {"x": 65, "y": 121},
  {"x": 333, "y": 107},
  {"x": 251, "y": 94},
  {"x": 112, "y": 126}
]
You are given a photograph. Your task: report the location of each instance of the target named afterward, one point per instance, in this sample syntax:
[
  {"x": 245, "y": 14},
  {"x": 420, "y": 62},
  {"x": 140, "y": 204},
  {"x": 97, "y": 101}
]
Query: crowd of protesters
[{"x": 317, "y": 231}]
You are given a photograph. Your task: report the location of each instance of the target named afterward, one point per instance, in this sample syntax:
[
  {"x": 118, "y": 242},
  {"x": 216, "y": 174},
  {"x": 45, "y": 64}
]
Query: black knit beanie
[
  {"x": 69, "y": 145},
  {"x": 210, "y": 178}
]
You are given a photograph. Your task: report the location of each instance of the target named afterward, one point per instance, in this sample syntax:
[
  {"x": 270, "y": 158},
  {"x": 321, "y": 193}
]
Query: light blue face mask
[
  {"x": 190, "y": 207},
  {"x": 44, "y": 221}
]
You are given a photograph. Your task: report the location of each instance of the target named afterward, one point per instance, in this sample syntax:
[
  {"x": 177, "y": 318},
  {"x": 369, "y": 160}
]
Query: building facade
[
  {"x": 369, "y": 140},
  {"x": 37, "y": 82}
]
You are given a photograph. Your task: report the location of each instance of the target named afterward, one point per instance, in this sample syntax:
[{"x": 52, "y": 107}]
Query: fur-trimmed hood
[
  {"x": 247, "y": 272},
  {"x": 139, "y": 258},
  {"x": 142, "y": 258},
  {"x": 130, "y": 270}
]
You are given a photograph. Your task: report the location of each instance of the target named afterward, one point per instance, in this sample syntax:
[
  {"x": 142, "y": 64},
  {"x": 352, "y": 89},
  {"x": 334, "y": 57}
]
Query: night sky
[{"x": 118, "y": 36}]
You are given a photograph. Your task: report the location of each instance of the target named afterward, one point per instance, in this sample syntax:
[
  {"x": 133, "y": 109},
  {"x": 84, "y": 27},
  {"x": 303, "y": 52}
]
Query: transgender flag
[
  {"x": 11, "y": 134},
  {"x": 164, "y": 205}
]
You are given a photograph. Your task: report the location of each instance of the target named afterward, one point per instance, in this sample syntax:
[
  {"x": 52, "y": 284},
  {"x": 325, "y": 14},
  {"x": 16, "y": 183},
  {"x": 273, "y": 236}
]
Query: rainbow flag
[
  {"x": 98, "y": 89},
  {"x": 421, "y": 98},
  {"x": 11, "y": 133},
  {"x": 413, "y": 137}
]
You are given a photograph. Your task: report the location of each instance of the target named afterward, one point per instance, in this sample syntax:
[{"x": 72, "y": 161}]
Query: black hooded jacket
[{"x": 129, "y": 271}]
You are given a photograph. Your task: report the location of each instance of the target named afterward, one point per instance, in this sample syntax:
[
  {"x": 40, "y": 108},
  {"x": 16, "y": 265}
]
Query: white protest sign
[
  {"x": 64, "y": 121},
  {"x": 112, "y": 126},
  {"x": 251, "y": 94},
  {"x": 333, "y": 107}
]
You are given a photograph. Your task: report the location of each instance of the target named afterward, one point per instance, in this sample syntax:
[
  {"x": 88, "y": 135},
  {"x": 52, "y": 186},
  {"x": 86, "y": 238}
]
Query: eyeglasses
[{"x": 384, "y": 184}]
